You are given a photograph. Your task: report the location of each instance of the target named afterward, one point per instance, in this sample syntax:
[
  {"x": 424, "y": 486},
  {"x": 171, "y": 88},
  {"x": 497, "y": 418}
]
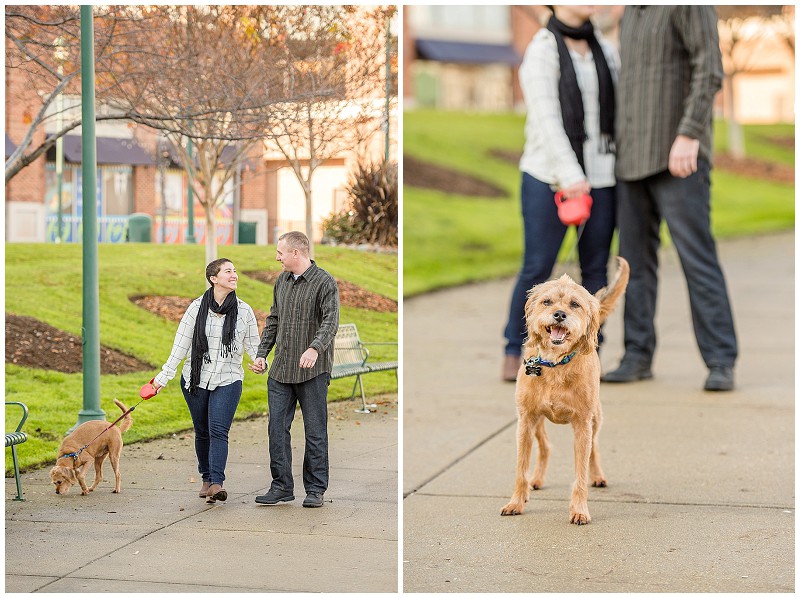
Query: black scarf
[
  {"x": 569, "y": 94},
  {"x": 230, "y": 308}
]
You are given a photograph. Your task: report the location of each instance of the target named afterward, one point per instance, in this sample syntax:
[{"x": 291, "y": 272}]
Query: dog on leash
[
  {"x": 560, "y": 381},
  {"x": 70, "y": 469}
]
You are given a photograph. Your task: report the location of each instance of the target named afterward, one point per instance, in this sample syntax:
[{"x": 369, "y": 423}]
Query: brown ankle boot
[
  {"x": 511, "y": 367},
  {"x": 216, "y": 492}
]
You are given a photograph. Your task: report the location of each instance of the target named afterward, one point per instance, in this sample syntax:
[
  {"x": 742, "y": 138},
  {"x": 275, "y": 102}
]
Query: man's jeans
[
  {"x": 544, "y": 233},
  {"x": 685, "y": 205},
  {"x": 283, "y": 399},
  {"x": 212, "y": 414}
]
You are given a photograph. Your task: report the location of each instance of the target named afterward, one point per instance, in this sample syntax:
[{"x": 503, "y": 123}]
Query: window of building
[{"x": 117, "y": 190}]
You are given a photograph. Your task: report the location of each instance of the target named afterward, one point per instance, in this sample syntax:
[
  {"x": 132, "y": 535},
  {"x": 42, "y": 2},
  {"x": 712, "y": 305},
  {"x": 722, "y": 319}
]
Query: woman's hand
[
  {"x": 576, "y": 190},
  {"x": 259, "y": 366},
  {"x": 157, "y": 386}
]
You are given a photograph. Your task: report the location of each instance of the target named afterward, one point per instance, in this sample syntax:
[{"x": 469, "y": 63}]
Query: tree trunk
[
  {"x": 211, "y": 224},
  {"x": 309, "y": 218},
  {"x": 736, "y": 145}
]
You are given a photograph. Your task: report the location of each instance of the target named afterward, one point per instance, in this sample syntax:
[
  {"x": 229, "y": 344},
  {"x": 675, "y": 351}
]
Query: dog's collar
[
  {"x": 73, "y": 455},
  {"x": 533, "y": 366}
]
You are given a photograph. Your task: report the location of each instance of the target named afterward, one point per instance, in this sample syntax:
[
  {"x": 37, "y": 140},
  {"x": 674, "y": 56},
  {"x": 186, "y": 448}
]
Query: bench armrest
[{"x": 24, "y": 413}]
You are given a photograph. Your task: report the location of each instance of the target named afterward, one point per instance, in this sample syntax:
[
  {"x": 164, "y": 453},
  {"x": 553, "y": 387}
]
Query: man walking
[
  {"x": 301, "y": 325},
  {"x": 671, "y": 69}
]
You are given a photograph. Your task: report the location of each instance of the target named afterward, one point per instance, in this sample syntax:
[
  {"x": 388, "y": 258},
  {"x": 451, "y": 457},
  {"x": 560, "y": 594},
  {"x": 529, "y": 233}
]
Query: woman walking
[
  {"x": 215, "y": 330},
  {"x": 567, "y": 78}
]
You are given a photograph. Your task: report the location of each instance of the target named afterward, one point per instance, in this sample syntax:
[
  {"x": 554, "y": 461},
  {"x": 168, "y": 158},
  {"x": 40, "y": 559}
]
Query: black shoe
[
  {"x": 628, "y": 371},
  {"x": 720, "y": 377},
  {"x": 274, "y": 496},
  {"x": 313, "y": 500}
]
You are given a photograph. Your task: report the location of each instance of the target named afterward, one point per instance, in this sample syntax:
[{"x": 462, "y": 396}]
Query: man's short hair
[{"x": 296, "y": 240}]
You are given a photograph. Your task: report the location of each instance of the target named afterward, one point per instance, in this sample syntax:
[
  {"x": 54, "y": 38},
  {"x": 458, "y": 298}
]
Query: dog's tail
[
  {"x": 609, "y": 296},
  {"x": 127, "y": 421}
]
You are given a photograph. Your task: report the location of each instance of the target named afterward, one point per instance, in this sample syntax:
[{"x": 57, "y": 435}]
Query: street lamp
[{"x": 61, "y": 54}]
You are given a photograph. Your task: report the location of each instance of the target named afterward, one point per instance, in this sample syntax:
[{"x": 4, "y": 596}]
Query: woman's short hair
[{"x": 214, "y": 267}]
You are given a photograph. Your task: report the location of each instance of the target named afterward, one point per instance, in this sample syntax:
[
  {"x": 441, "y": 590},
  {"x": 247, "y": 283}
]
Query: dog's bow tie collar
[{"x": 533, "y": 366}]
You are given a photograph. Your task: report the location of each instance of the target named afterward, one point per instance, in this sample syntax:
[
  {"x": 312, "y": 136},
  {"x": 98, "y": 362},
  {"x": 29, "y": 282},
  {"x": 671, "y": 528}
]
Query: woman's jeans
[
  {"x": 212, "y": 414},
  {"x": 283, "y": 398},
  {"x": 544, "y": 233}
]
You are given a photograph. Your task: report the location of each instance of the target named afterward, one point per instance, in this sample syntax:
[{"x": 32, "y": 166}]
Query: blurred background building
[{"x": 466, "y": 57}]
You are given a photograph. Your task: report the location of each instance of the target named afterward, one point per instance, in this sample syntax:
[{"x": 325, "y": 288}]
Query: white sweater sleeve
[
  {"x": 182, "y": 344},
  {"x": 539, "y": 75}
]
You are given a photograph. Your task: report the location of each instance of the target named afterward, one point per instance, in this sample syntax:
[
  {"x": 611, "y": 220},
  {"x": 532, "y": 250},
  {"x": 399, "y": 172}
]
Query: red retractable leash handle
[
  {"x": 148, "y": 391},
  {"x": 575, "y": 210}
]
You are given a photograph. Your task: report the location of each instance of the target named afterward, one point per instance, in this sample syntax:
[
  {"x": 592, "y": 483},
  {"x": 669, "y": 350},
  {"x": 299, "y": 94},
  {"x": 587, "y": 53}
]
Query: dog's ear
[
  {"x": 588, "y": 342},
  {"x": 530, "y": 306}
]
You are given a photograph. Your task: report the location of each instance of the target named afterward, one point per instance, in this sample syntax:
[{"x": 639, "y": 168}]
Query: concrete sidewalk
[
  {"x": 701, "y": 485},
  {"x": 159, "y": 536}
]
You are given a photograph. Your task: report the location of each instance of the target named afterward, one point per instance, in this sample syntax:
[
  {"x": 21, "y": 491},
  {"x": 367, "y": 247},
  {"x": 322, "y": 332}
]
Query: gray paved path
[
  {"x": 159, "y": 536},
  {"x": 701, "y": 485}
]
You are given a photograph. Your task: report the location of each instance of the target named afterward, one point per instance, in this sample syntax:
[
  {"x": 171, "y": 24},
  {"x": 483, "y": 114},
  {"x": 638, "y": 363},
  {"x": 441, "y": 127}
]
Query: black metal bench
[
  {"x": 350, "y": 358},
  {"x": 13, "y": 439}
]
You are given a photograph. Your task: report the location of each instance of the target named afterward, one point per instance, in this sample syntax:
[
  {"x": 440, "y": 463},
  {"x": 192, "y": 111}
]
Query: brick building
[{"x": 131, "y": 162}]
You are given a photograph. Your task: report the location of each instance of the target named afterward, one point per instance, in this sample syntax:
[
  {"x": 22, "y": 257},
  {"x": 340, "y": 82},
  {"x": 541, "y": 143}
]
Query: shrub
[{"x": 372, "y": 214}]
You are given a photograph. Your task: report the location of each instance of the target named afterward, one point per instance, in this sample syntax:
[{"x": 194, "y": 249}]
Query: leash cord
[{"x": 577, "y": 240}]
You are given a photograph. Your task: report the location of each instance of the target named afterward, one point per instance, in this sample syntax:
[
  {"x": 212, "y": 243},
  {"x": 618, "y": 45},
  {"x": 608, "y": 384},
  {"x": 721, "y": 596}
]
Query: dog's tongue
[{"x": 557, "y": 334}]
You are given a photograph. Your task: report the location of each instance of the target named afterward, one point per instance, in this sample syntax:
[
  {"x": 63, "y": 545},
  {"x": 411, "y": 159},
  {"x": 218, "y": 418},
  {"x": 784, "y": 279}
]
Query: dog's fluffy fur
[
  {"x": 68, "y": 471},
  {"x": 563, "y": 317}
]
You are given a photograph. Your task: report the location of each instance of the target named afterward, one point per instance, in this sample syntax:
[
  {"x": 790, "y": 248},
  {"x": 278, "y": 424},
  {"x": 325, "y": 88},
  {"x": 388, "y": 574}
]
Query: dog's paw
[
  {"x": 599, "y": 483},
  {"x": 579, "y": 518},
  {"x": 512, "y": 508},
  {"x": 537, "y": 485},
  {"x": 115, "y": 491}
]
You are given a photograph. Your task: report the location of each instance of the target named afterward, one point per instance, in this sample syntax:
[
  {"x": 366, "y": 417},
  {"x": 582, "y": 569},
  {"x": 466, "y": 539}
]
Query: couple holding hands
[{"x": 212, "y": 336}]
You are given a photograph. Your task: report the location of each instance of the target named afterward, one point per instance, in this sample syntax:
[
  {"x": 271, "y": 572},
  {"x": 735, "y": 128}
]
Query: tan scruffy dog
[
  {"x": 69, "y": 470},
  {"x": 560, "y": 381}
]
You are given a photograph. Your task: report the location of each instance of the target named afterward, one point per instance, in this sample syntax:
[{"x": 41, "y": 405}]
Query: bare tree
[
  {"x": 203, "y": 75},
  {"x": 43, "y": 45},
  {"x": 225, "y": 77},
  {"x": 332, "y": 60}
]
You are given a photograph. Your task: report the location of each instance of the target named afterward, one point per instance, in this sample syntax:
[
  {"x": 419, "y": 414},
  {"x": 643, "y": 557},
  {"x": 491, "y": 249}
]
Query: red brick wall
[
  {"x": 144, "y": 192},
  {"x": 22, "y": 104},
  {"x": 524, "y": 25}
]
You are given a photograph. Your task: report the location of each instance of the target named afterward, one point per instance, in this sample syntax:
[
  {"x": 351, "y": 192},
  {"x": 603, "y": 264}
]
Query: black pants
[
  {"x": 283, "y": 399},
  {"x": 685, "y": 205}
]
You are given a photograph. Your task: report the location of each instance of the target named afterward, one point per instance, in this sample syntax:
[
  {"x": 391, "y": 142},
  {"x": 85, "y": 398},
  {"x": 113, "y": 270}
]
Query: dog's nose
[{"x": 559, "y": 316}]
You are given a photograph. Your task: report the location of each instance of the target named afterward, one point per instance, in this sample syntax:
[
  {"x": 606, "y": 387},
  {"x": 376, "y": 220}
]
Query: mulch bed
[
  {"x": 172, "y": 308},
  {"x": 34, "y": 344},
  {"x": 350, "y": 294},
  {"x": 748, "y": 167},
  {"x": 429, "y": 176}
]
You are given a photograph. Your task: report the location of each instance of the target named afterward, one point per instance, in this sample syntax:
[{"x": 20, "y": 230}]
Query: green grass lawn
[
  {"x": 44, "y": 281},
  {"x": 451, "y": 239}
]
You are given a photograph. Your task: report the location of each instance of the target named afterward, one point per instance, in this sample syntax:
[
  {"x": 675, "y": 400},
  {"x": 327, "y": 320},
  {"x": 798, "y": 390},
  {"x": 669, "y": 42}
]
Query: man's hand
[
  {"x": 309, "y": 358},
  {"x": 683, "y": 156},
  {"x": 157, "y": 386},
  {"x": 259, "y": 366}
]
